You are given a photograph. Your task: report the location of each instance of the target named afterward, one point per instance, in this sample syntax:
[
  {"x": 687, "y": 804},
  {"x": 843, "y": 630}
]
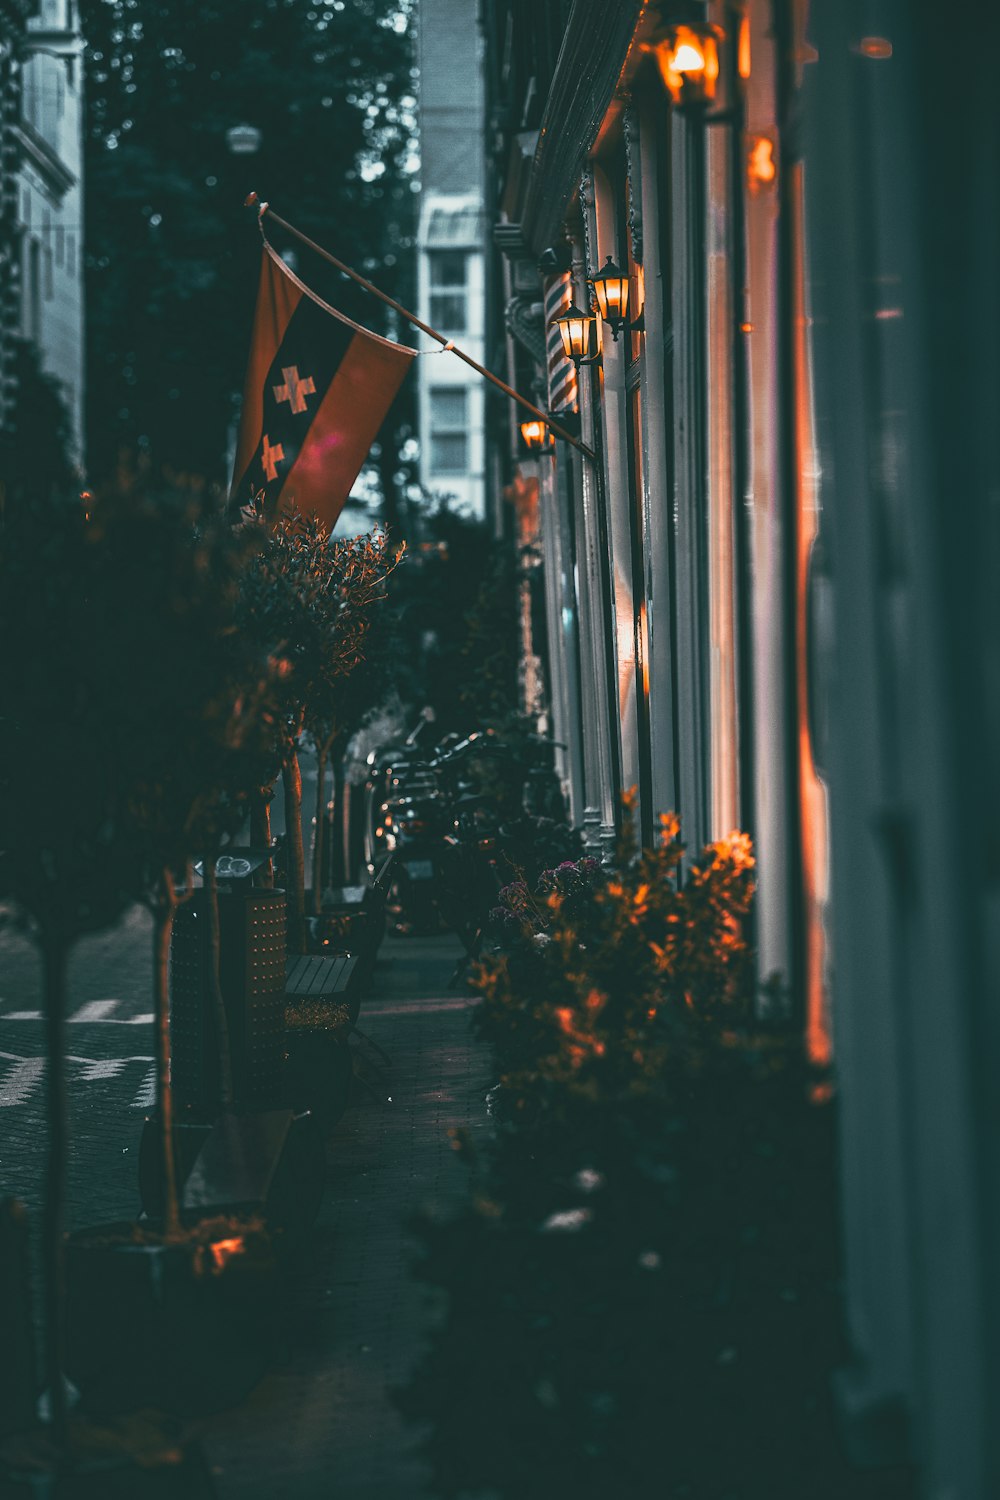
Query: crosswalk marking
[
  {"x": 21, "y": 1081},
  {"x": 146, "y": 1097},
  {"x": 95, "y": 1010},
  {"x": 18, "y": 1083},
  {"x": 91, "y": 1013},
  {"x": 104, "y": 1067}
]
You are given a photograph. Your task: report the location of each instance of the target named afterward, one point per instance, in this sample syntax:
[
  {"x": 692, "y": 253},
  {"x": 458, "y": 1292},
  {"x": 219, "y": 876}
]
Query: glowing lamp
[
  {"x": 611, "y": 291},
  {"x": 577, "y": 331},
  {"x": 536, "y": 436},
  {"x": 611, "y": 288},
  {"x": 243, "y": 140},
  {"x": 688, "y": 60}
]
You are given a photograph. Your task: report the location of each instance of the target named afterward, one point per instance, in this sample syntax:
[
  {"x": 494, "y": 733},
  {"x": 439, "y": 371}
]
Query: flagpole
[{"x": 253, "y": 201}]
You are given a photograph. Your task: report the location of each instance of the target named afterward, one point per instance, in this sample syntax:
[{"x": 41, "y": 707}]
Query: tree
[
  {"x": 310, "y": 600},
  {"x": 339, "y": 709},
  {"x": 68, "y": 862},
  {"x": 36, "y": 446},
  {"x": 172, "y": 262},
  {"x": 191, "y": 703}
]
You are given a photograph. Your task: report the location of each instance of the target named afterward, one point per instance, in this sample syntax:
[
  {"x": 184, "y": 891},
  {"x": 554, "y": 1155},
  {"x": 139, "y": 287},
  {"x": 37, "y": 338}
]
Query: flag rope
[{"x": 263, "y": 207}]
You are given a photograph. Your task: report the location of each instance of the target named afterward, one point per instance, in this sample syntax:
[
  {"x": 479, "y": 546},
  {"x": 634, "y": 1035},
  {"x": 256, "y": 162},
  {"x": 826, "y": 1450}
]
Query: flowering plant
[{"x": 601, "y": 972}]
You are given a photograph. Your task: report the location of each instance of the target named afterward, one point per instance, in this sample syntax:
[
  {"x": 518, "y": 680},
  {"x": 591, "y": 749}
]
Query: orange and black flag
[{"x": 317, "y": 390}]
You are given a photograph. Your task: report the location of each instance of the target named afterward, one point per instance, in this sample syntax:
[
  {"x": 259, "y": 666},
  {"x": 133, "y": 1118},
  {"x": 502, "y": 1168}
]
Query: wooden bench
[{"x": 314, "y": 978}]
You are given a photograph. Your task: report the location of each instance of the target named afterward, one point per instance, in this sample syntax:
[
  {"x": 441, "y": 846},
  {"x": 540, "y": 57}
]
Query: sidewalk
[{"x": 322, "y": 1424}]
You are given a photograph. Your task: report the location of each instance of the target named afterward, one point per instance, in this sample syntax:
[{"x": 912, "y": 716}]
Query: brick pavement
[
  {"x": 322, "y": 1424},
  {"x": 110, "y": 1040}
]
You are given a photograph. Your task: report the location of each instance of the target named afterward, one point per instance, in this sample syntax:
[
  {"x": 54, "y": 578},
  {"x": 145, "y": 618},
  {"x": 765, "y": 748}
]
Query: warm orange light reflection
[
  {"x": 761, "y": 165},
  {"x": 875, "y": 46},
  {"x": 743, "y": 49},
  {"x": 813, "y": 817},
  {"x": 224, "y": 1250}
]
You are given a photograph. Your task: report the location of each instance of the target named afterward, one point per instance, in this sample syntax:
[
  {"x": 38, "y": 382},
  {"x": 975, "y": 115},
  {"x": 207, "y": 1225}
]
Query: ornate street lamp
[
  {"x": 688, "y": 60},
  {"x": 611, "y": 288},
  {"x": 578, "y": 331},
  {"x": 536, "y": 436},
  {"x": 243, "y": 140}
]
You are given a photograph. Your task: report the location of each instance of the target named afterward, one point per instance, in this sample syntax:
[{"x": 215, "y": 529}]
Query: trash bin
[{"x": 252, "y": 977}]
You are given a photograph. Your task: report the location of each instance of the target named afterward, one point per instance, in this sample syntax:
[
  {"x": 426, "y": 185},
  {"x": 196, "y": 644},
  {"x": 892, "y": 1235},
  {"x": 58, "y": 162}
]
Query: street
[{"x": 111, "y": 1080}]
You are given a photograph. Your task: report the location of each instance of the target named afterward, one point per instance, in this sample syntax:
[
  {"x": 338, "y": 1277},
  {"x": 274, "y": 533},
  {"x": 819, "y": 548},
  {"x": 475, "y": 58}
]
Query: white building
[
  {"x": 50, "y": 137},
  {"x": 450, "y": 273}
]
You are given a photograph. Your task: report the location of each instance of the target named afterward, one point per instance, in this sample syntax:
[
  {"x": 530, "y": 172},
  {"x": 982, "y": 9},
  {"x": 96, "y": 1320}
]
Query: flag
[{"x": 317, "y": 390}]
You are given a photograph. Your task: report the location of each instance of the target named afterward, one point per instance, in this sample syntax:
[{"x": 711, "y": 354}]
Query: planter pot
[
  {"x": 189, "y": 1137},
  {"x": 188, "y": 1327},
  {"x": 319, "y": 1072}
]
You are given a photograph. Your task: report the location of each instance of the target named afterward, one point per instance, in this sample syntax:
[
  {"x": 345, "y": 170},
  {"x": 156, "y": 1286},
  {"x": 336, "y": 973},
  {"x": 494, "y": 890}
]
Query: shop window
[
  {"x": 449, "y": 288},
  {"x": 449, "y": 430}
]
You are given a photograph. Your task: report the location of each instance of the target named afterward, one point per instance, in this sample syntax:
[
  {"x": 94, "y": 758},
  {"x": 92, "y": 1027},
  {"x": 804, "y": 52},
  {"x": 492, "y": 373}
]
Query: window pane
[
  {"x": 448, "y": 311},
  {"x": 448, "y": 408},
  {"x": 448, "y": 453},
  {"x": 448, "y": 268}
]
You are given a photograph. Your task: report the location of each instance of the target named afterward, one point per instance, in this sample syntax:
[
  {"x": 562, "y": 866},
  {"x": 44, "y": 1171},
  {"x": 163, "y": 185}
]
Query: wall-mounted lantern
[
  {"x": 611, "y": 288},
  {"x": 537, "y": 437},
  {"x": 688, "y": 60},
  {"x": 578, "y": 331}
]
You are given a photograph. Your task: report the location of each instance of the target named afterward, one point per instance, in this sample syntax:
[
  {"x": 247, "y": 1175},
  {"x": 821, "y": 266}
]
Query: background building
[
  {"x": 50, "y": 200},
  {"x": 13, "y": 22},
  {"x": 770, "y": 597},
  {"x": 450, "y": 277}
]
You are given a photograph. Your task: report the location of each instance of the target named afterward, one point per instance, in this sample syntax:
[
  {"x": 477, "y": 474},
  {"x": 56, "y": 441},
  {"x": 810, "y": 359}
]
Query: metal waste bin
[{"x": 252, "y": 977}]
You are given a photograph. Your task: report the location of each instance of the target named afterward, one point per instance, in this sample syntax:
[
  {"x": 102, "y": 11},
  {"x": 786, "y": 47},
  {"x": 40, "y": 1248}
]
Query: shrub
[{"x": 643, "y": 1299}]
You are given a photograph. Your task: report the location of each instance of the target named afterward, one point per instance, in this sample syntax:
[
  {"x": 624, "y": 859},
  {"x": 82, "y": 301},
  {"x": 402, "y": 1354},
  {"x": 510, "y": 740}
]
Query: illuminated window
[
  {"x": 449, "y": 284},
  {"x": 449, "y": 430}
]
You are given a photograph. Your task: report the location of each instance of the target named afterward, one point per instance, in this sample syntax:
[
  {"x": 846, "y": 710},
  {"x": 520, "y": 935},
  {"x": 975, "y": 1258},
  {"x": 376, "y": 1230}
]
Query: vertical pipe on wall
[
  {"x": 657, "y": 439},
  {"x": 602, "y": 782}
]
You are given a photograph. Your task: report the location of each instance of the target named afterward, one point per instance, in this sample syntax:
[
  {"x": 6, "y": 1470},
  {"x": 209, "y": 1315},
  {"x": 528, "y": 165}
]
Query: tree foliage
[
  {"x": 172, "y": 262},
  {"x": 311, "y": 601},
  {"x": 37, "y": 443}
]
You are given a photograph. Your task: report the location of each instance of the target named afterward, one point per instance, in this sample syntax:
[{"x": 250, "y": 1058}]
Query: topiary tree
[
  {"x": 191, "y": 702},
  {"x": 311, "y": 600},
  {"x": 340, "y": 704},
  {"x": 128, "y": 737}
]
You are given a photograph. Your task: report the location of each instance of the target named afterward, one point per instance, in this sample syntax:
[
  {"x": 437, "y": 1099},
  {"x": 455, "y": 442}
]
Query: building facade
[
  {"x": 768, "y": 583},
  {"x": 450, "y": 287},
  {"x": 50, "y": 201},
  {"x": 13, "y": 23}
]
